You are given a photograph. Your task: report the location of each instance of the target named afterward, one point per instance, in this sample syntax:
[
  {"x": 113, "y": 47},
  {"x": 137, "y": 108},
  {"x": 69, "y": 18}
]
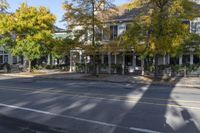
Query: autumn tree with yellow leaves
[
  {"x": 86, "y": 18},
  {"x": 159, "y": 29},
  {"x": 27, "y": 31}
]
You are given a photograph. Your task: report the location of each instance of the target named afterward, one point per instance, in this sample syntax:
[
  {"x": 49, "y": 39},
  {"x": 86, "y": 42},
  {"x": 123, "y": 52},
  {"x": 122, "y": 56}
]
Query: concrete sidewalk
[{"x": 57, "y": 75}]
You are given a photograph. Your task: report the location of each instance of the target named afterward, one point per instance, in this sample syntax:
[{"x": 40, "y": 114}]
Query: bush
[
  {"x": 63, "y": 67},
  {"x": 80, "y": 67},
  {"x": 117, "y": 67},
  {"x": 104, "y": 66},
  {"x": 150, "y": 68}
]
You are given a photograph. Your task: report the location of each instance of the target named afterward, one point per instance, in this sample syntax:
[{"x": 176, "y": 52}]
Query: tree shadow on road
[{"x": 157, "y": 111}]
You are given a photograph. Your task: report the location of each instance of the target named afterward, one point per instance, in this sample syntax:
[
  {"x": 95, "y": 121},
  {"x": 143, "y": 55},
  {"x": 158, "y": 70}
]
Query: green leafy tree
[
  {"x": 31, "y": 30},
  {"x": 191, "y": 44},
  {"x": 159, "y": 28},
  {"x": 88, "y": 16},
  {"x": 62, "y": 46}
]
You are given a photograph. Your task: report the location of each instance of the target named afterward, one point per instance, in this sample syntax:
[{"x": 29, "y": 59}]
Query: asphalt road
[{"x": 53, "y": 106}]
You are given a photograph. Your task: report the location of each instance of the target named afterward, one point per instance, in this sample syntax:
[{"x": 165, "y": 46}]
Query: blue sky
[{"x": 53, "y": 5}]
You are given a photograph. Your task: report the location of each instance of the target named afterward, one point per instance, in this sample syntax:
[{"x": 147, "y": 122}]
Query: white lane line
[{"x": 78, "y": 119}]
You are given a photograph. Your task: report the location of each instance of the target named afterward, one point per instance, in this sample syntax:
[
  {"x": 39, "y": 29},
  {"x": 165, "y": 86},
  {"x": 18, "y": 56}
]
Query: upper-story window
[
  {"x": 121, "y": 28},
  {"x": 113, "y": 32},
  {"x": 195, "y": 27}
]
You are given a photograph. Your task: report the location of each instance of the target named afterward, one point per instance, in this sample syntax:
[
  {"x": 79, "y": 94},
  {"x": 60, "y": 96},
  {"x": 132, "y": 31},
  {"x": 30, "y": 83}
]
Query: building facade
[
  {"x": 6, "y": 57},
  {"x": 129, "y": 61}
]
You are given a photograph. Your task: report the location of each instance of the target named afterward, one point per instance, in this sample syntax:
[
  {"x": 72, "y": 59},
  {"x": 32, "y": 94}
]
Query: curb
[
  {"x": 128, "y": 82},
  {"x": 35, "y": 78}
]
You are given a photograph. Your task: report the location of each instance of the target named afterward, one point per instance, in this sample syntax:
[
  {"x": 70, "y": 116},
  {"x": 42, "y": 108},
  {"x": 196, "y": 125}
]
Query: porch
[{"x": 131, "y": 63}]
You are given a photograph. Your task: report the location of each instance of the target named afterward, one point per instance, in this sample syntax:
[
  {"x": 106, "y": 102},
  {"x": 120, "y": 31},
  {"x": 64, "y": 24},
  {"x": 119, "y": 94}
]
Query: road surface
[{"x": 53, "y": 106}]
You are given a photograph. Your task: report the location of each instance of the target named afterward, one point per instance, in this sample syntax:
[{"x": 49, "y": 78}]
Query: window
[
  {"x": 195, "y": 27},
  {"x": 1, "y": 59},
  {"x": 14, "y": 60},
  {"x": 6, "y": 58},
  {"x": 174, "y": 60},
  {"x": 121, "y": 29},
  {"x": 128, "y": 60},
  {"x": 138, "y": 61},
  {"x": 106, "y": 59},
  {"x": 105, "y": 35},
  {"x": 186, "y": 59},
  {"x": 196, "y": 59},
  {"x": 113, "y": 32}
]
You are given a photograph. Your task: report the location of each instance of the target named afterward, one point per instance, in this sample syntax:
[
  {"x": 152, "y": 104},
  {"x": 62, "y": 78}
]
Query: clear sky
[{"x": 53, "y": 5}]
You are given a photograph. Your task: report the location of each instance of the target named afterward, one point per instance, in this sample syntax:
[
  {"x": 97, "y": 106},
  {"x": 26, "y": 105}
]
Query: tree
[
  {"x": 88, "y": 16},
  {"x": 191, "y": 44},
  {"x": 62, "y": 46},
  {"x": 3, "y": 6},
  {"x": 31, "y": 29},
  {"x": 159, "y": 28}
]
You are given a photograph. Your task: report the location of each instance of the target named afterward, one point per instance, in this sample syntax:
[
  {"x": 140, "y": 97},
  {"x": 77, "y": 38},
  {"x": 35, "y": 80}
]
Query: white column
[
  {"x": 168, "y": 59},
  {"x": 80, "y": 56},
  {"x": 180, "y": 59},
  {"x": 133, "y": 61},
  {"x": 3, "y": 58},
  {"x": 191, "y": 59},
  {"x": 123, "y": 63},
  {"x": 115, "y": 58},
  {"x": 10, "y": 59},
  {"x": 154, "y": 60},
  {"x": 164, "y": 60},
  {"x": 109, "y": 62},
  {"x": 142, "y": 66},
  {"x": 85, "y": 64}
]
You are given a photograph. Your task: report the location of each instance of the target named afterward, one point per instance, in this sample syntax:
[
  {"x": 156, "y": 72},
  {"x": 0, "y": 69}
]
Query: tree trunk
[
  {"x": 156, "y": 66},
  {"x": 29, "y": 66},
  {"x": 93, "y": 39},
  {"x": 58, "y": 61},
  {"x": 51, "y": 60}
]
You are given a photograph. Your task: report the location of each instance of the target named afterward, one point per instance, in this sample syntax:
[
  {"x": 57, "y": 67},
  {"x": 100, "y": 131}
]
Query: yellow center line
[{"x": 100, "y": 98}]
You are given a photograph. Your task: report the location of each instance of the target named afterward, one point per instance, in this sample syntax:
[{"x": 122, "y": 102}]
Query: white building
[
  {"x": 6, "y": 57},
  {"x": 129, "y": 61}
]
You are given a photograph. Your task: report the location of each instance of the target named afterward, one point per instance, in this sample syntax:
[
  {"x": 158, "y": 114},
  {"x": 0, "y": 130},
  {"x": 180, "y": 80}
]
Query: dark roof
[
  {"x": 129, "y": 14},
  {"x": 61, "y": 35},
  {"x": 58, "y": 30}
]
